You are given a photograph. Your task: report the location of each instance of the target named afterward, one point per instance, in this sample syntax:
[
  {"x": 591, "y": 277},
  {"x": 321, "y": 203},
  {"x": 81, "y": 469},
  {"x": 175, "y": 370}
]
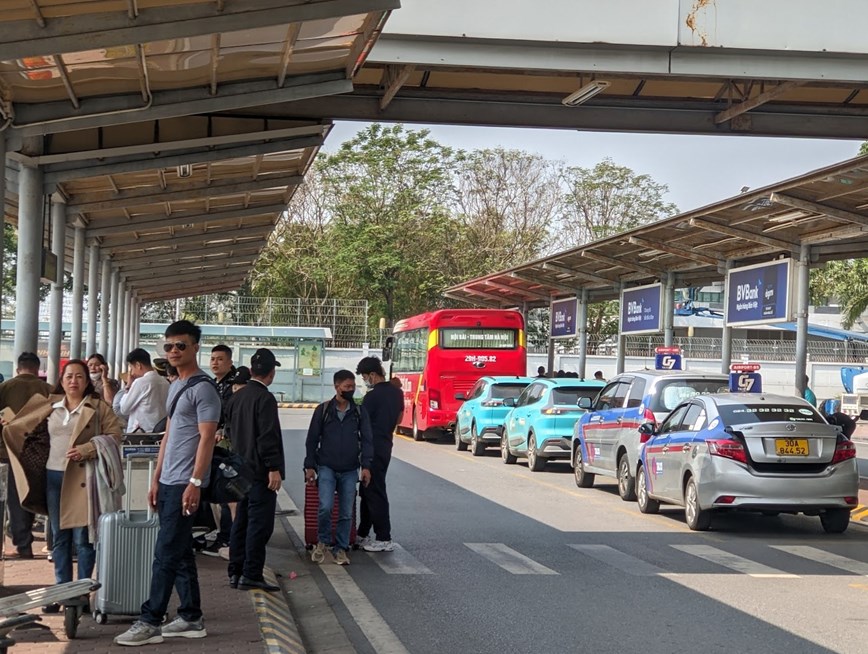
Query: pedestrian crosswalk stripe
[
  {"x": 618, "y": 559},
  {"x": 399, "y": 562},
  {"x": 826, "y": 558},
  {"x": 510, "y": 560},
  {"x": 732, "y": 561}
]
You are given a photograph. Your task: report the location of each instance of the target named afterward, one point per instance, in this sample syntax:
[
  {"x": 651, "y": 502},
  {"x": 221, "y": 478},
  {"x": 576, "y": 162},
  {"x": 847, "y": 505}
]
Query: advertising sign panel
[
  {"x": 564, "y": 316},
  {"x": 759, "y": 294},
  {"x": 668, "y": 358},
  {"x": 745, "y": 378},
  {"x": 640, "y": 309}
]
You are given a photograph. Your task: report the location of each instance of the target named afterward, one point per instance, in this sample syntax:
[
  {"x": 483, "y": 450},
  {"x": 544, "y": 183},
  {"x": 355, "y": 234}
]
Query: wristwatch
[{"x": 196, "y": 482}]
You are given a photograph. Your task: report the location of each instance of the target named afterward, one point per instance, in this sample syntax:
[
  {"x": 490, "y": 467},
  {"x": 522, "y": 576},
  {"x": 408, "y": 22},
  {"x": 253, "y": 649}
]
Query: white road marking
[
  {"x": 399, "y": 562},
  {"x": 510, "y": 560},
  {"x": 734, "y": 562},
  {"x": 826, "y": 558},
  {"x": 381, "y": 637},
  {"x": 618, "y": 559}
]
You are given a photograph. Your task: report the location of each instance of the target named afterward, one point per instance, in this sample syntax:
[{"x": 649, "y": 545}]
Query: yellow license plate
[{"x": 791, "y": 447}]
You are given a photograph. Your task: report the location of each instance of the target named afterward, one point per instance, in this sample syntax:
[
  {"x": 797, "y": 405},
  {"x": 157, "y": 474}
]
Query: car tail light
[
  {"x": 433, "y": 399},
  {"x": 725, "y": 499},
  {"x": 727, "y": 448},
  {"x": 844, "y": 450},
  {"x": 490, "y": 403},
  {"x": 552, "y": 411},
  {"x": 851, "y": 500}
]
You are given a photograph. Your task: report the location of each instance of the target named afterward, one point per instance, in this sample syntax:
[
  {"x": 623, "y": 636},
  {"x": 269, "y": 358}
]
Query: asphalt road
[{"x": 498, "y": 559}]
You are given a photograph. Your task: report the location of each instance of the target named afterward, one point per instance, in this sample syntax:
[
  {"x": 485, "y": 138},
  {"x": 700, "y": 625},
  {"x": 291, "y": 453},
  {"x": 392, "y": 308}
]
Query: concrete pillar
[
  {"x": 622, "y": 339},
  {"x": 58, "y": 247},
  {"x": 105, "y": 294},
  {"x": 726, "y": 340},
  {"x": 803, "y": 299},
  {"x": 136, "y": 323},
  {"x": 128, "y": 329},
  {"x": 92, "y": 299},
  {"x": 583, "y": 332},
  {"x": 121, "y": 304},
  {"x": 550, "y": 359},
  {"x": 113, "y": 327},
  {"x": 2, "y": 208},
  {"x": 78, "y": 255},
  {"x": 669, "y": 309},
  {"x": 30, "y": 226}
]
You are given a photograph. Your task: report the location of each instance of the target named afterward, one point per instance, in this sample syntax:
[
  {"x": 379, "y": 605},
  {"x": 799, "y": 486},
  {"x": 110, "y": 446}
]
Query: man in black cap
[{"x": 252, "y": 417}]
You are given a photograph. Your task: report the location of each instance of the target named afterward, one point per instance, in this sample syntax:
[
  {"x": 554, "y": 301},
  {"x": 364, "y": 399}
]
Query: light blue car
[
  {"x": 540, "y": 426},
  {"x": 480, "y": 418}
]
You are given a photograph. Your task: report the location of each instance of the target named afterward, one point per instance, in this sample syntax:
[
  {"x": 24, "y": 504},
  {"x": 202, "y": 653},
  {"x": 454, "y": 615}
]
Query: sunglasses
[{"x": 167, "y": 347}]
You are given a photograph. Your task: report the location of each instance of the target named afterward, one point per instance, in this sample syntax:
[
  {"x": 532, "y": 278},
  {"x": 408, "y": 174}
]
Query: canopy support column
[
  {"x": 105, "y": 293},
  {"x": 92, "y": 299},
  {"x": 726, "y": 337},
  {"x": 58, "y": 247},
  {"x": 583, "y": 332},
  {"x": 30, "y": 229},
  {"x": 77, "y": 292},
  {"x": 803, "y": 299},
  {"x": 669, "y": 310}
]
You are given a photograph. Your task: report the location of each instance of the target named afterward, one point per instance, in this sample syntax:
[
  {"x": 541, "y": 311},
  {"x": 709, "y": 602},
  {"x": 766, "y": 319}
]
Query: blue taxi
[
  {"x": 480, "y": 418},
  {"x": 540, "y": 425}
]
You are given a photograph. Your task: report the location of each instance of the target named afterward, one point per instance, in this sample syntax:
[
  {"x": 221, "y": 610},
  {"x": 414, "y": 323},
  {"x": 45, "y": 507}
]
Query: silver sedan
[{"x": 755, "y": 452}]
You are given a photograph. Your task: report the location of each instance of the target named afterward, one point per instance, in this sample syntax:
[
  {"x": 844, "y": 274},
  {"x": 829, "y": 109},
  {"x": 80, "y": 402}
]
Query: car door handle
[
  {"x": 686, "y": 448},
  {"x": 664, "y": 449},
  {"x": 619, "y": 420}
]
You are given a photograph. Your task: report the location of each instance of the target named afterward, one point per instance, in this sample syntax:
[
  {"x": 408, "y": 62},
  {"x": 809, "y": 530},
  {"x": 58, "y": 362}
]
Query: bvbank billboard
[
  {"x": 640, "y": 309},
  {"x": 759, "y": 294}
]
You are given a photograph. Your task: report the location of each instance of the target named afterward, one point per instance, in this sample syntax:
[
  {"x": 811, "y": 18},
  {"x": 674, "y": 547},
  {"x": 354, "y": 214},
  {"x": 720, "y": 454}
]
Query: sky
[{"x": 698, "y": 170}]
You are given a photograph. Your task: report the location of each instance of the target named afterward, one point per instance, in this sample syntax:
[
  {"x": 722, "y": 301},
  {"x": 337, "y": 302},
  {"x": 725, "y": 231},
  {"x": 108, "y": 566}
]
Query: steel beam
[
  {"x": 489, "y": 296},
  {"x": 188, "y": 292},
  {"x": 162, "y": 286},
  {"x": 59, "y": 173},
  {"x": 533, "y": 279},
  {"x": 179, "y": 255},
  {"x": 518, "y": 290},
  {"x": 774, "y": 243},
  {"x": 822, "y": 209},
  {"x": 585, "y": 276},
  {"x": 676, "y": 251},
  {"x": 141, "y": 197},
  {"x": 234, "y": 235},
  {"x": 143, "y": 270},
  {"x": 395, "y": 78},
  {"x": 159, "y": 223},
  {"x": 753, "y": 103},
  {"x": 90, "y": 31},
  {"x": 654, "y": 271},
  {"x": 473, "y": 300}
]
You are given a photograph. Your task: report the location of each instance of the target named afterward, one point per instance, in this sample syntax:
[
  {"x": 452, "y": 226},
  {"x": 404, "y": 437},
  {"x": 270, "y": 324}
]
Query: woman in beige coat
[{"x": 67, "y": 420}]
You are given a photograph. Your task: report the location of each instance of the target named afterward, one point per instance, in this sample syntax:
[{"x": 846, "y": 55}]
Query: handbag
[
  {"x": 33, "y": 459},
  {"x": 231, "y": 478}
]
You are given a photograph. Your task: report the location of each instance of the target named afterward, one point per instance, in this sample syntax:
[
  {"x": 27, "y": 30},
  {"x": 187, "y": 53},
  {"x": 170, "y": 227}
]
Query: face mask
[
  {"x": 348, "y": 395},
  {"x": 368, "y": 383},
  {"x": 95, "y": 376}
]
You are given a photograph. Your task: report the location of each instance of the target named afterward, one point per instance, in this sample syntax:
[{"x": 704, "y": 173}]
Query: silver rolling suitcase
[{"x": 125, "y": 556}]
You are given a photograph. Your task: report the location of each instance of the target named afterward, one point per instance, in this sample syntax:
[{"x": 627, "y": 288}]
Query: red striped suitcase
[{"x": 311, "y": 513}]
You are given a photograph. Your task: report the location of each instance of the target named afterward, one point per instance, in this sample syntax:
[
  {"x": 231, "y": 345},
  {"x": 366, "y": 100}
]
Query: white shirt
[
  {"x": 60, "y": 428},
  {"x": 144, "y": 402}
]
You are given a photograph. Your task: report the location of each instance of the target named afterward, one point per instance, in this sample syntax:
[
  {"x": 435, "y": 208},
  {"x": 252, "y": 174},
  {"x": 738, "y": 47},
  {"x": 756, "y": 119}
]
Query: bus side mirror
[
  {"x": 585, "y": 403},
  {"x": 387, "y": 348},
  {"x": 863, "y": 415}
]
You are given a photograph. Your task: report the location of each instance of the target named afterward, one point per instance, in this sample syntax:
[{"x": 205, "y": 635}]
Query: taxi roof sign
[
  {"x": 745, "y": 367},
  {"x": 667, "y": 349}
]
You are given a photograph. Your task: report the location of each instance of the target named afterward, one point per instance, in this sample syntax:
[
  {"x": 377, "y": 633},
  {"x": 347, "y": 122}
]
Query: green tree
[
  {"x": 863, "y": 149},
  {"x": 10, "y": 258},
  {"x": 845, "y": 281}
]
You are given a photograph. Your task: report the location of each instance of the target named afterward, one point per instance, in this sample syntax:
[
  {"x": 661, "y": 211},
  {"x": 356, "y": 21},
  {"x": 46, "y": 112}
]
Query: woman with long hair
[{"x": 68, "y": 420}]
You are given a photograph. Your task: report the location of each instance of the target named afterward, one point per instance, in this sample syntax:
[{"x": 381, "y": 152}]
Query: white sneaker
[
  {"x": 361, "y": 543},
  {"x": 379, "y": 546}
]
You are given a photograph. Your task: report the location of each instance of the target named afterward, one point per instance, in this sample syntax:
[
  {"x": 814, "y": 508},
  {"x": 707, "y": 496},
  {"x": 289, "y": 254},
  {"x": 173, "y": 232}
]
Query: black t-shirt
[{"x": 384, "y": 404}]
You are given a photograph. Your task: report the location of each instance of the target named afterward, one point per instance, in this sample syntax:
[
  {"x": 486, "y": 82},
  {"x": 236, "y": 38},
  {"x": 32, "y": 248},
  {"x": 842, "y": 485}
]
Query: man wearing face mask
[
  {"x": 339, "y": 440},
  {"x": 384, "y": 404}
]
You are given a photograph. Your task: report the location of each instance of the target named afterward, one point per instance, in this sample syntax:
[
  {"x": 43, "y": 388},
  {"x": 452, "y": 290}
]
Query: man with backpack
[{"x": 339, "y": 441}]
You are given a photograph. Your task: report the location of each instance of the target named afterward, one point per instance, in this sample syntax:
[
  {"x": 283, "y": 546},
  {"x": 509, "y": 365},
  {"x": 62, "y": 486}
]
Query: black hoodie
[{"x": 341, "y": 445}]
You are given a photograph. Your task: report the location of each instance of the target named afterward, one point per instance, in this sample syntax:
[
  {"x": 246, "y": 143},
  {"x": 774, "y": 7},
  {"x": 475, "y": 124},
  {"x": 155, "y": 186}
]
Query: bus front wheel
[{"x": 418, "y": 434}]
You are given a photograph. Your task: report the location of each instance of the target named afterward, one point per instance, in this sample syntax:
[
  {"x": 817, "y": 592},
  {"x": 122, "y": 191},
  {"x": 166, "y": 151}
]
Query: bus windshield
[{"x": 478, "y": 338}]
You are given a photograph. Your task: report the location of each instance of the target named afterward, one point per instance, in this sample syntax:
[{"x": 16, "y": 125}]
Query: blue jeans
[
  {"x": 345, "y": 484},
  {"x": 63, "y": 539},
  {"x": 174, "y": 561}
]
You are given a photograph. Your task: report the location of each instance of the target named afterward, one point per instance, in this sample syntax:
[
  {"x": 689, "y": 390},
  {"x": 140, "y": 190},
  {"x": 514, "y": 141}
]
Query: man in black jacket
[
  {"x": 251, "y": 414},
  {"x": 384, "y": 404},
  {"x": 338, "y": 441}
]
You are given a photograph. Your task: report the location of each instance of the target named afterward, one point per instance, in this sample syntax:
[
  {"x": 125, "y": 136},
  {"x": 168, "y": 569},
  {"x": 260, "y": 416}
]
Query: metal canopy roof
[
  {"x": 826, "y": 209},
  {"x": 122, "y": 95}
]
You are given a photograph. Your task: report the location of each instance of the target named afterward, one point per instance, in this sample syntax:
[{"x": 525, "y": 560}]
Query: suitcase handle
[{"x": 128, "y": 494}]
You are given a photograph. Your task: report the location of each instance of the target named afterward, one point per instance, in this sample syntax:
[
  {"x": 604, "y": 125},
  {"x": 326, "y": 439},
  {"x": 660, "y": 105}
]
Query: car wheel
[
  {"x": 418, "y": 434},
  {"x": 477, "y": 447},
  {"x": 646, "y": 503},
  {"x": 460, "y": 445},
  {"x": 698, "y": 519},
  {"x": 626, "y": 482},
  {"x": 835, "y": 521},
  {"x": 505, "y": 454},
  {"x": 583, "y": 479},
  {"x": 535, "y": 462}
]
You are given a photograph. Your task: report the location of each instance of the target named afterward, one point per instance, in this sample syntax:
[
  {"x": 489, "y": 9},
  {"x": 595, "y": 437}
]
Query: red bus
[{"x": 441, "y": 353}]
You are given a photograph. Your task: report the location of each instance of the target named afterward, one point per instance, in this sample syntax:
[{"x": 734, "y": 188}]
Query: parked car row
[{"x": 671, "y": 438}]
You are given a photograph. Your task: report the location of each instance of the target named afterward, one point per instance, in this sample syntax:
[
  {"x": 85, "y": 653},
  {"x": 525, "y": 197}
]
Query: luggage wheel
[
  {"x": 71, "y": 617},
  {"x": 99, "y": 617}
]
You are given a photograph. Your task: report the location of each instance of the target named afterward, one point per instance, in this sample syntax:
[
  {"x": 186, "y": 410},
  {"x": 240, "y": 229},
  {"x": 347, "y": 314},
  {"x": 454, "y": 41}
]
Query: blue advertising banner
[
  {"x": 640, "y": 309},
  {"x": 745, "y": 382},
  {"x": 668, "y": 362},
  {"x": 759, "y": 294},
  {"x": 564, "y": 316}
]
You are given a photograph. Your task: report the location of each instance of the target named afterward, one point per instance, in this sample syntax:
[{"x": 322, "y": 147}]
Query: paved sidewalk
[{"x": 230, "y": 616}]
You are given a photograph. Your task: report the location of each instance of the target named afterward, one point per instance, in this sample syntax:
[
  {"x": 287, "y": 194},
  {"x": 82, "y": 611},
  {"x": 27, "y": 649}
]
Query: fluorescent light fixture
[
  {"x": 585, "y": 93},
  {"x": 185, "y": 170}
]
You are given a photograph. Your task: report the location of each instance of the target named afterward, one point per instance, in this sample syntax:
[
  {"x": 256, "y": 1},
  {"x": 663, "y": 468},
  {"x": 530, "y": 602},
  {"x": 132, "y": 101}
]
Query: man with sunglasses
[{"x": 183, "y": 468}]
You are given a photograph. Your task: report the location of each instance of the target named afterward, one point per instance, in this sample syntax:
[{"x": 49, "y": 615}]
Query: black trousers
[
  {"x": 374, "y": 506},
  {"x": 251, "y": 530},
  {"x": 20, "y": 519}
]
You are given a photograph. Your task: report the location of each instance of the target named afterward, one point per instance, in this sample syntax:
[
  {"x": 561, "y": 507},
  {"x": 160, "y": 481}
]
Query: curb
[
  {"x": 297, "y": 405},
  {"x": 279, "y": 631}
]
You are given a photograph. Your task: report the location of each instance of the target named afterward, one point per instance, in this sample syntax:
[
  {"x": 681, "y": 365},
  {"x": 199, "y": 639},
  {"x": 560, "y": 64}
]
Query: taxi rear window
[
  {"x": 741, "y": 414},
  {"x": 502, "y": 391},
  {"x": 669, "y": 393},
  {"x": 569, "y": 395}
]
